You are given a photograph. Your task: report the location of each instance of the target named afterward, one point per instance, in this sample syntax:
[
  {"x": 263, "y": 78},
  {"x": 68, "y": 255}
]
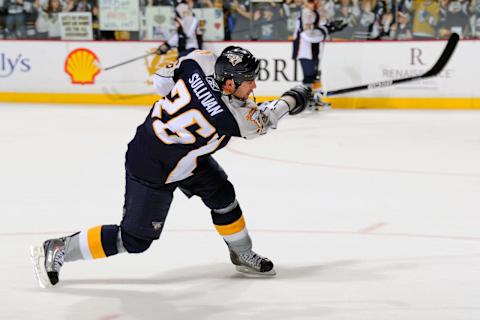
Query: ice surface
[{"x": 367, "y": 214}]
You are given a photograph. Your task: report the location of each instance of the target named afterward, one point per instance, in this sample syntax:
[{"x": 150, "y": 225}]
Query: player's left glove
[
  {"x": 163, "y": 48},
  {"x": 335, "y": 25},
  {"x": 302, "y": 95}
]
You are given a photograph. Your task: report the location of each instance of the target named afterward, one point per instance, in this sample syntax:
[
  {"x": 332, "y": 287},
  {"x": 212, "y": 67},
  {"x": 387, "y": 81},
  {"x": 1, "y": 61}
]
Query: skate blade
[
  {"x": 253, "y": 272},
  {"x": 37, "y": 256},
  {"x": 320, "y": 108}
]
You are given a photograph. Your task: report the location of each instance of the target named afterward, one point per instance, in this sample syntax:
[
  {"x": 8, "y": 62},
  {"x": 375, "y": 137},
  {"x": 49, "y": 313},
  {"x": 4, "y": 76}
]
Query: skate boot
[
  {"x": 252, "y": 263},
  {"x": 47, "y": 261}
]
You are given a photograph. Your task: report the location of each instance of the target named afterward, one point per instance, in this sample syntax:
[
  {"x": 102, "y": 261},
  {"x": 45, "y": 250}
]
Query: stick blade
[{"x": 445, "y": 57}]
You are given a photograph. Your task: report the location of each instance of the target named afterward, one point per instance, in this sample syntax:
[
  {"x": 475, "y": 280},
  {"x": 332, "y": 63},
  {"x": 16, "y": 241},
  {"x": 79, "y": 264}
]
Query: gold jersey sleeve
[{"x": 426, "y": 15}]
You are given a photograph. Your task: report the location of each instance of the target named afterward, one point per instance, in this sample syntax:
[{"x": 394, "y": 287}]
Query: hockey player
[
  {"x": 309, "y": 33},
  {"x": 188, "y": 36},
  {"x": 205, "y": 104}
]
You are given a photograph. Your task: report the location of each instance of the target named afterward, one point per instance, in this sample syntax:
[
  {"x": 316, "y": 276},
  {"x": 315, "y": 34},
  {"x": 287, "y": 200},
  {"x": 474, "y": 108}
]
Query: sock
[
  {"x": 97, "y": 242},
  {"x": 236, "y": 235}
]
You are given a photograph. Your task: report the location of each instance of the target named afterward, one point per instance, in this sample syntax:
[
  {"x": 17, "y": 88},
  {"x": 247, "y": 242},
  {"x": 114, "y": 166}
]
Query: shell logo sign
[
  {"x": 159, "y": 61},
  {"x": 82, "y": 65}
]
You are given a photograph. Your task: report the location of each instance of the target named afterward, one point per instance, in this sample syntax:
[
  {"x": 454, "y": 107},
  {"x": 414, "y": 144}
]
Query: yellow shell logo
[
  {"x": 82, "y": 66},
  {"x": 160, "y": 61}
]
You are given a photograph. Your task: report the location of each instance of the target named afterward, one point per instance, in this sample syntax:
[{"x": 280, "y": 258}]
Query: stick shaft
[
  {"x": 436, "y": 69},
  {"x": 128, "y": 61}
]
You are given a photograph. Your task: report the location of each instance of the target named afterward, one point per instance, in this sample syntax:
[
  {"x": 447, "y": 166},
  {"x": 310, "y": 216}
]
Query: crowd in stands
[{"x": 264, "y": 20}]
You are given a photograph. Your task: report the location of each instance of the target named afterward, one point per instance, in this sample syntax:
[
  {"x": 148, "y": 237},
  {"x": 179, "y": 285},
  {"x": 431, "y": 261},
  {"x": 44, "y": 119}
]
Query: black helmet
[{"x": 236, "y": 63}]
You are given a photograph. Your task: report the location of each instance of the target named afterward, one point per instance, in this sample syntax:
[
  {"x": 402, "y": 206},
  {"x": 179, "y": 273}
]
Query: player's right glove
[
  {"x": 163, "y": 48},
  {"x": 302, "y": 95}
]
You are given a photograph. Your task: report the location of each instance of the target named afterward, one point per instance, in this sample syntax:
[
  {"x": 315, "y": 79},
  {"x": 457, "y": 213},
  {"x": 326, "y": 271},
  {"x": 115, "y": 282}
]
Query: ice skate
[
  {"x": 316, "y": 104},
  {"x": 252, "y": 263},
  {"x": 47, "y": 261}
]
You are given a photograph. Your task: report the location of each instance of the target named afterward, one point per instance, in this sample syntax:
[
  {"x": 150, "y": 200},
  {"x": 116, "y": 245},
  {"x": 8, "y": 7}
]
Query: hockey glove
[
  {"x": 163, "y": 48},
  {"x": 302, "y": 95},
  {"x": 335, "y": 25}
]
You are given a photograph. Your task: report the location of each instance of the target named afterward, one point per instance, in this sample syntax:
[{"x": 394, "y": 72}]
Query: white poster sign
[
  {"x": 76, "y": 26},
  {"x": 160, "y": 22},
  {"x": 119, "y": 15},
  {"x": 211, "y": 23}
]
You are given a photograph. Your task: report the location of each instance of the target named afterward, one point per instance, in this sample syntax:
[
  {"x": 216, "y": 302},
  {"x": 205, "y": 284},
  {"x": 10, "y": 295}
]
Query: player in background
[
  {"x": 188, "y": 36},
  {"x": 310, "y": 32},
  {"x": 205, "y": 104}
]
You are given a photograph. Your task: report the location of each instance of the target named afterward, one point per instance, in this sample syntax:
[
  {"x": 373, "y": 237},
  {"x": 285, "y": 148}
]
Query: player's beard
[{"x": 236, "y": 102}]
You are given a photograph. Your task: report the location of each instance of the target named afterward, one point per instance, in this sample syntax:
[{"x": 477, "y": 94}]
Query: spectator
[
  {"x": 15, "y": 20},
  {"x": 475, "y": 19},
  {"x": 153, "y": 3},
  {"x": 97, "y": 33},
  {"x": 425, "y": 19},
  {"x": 362, "y": 25},
  {"x": 82, "y": 6},
  {"x": 402, "y": 30},
  {"x": 349, "y": 11},
  {"x": 387, "y": 22},
  {"x": 202, "y": 23},
  {"x": 242, "y": 17},
  {"x": 324, "y": 10},
  {"x": 279, "y": 21},
  {"x": 384, "y": 19},
  {"x": 187, "y": 38},
  {"x": 329, "y": 7},
  {"x": 269, "y": 22},
  {"x": 41, "y": 23},
  {"x": 228, "y": 22},
  {"x": 263, "y": 26},
  {"x": 3, "y": 13},
  {"x": 30, "y": 18},
  {"x": 454, "y": 20},
  {"x": 48, "y": 21},
  {"x": 69, "y": 5},
  {"x": 53, "y": 9},
  {"x": 292, "y": 9},
  {"x": 198, "y": 4}
]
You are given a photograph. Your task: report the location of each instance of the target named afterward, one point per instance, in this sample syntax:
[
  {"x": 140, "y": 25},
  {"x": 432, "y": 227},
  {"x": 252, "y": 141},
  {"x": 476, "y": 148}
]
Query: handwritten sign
[
  {"x": 119, "y": 15},
  {"x": 76, "y": 26},
  {"x": 160, "y": 23},
  {"x": 211, "y": 23}
]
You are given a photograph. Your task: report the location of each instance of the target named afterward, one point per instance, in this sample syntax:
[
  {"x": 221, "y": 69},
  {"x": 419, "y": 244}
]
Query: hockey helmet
[{"x": 236, "y": 63}]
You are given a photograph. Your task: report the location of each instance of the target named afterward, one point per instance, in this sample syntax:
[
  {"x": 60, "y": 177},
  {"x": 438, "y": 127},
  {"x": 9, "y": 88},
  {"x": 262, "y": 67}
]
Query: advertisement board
[{"x": 76, "y": 67}]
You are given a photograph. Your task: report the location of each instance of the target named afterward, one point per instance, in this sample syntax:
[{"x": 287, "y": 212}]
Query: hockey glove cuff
[
  {"x": 302, "y": 95},
  {"x": 163, "y": 48}
]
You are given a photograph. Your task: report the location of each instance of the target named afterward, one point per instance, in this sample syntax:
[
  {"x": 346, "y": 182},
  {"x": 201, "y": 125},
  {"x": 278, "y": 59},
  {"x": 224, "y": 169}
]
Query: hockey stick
[
  {"x": 128, "y": 61},
  {"x": 436, "y": 69}
]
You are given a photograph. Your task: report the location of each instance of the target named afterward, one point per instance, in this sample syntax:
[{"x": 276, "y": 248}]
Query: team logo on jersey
[
  {"x": 155, "y": 62},
  {"x": 234, "y": 58},
  {"x": 82, "y": 65},
  {"x": 212, "y": 83}
]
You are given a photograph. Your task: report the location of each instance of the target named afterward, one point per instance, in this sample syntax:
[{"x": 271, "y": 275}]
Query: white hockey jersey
[
  {"x": 253, "y": 120},
  {"x": 307, "y": 35}
]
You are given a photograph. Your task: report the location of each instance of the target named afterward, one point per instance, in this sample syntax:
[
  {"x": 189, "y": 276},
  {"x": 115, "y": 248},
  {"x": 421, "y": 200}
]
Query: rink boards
[{"x": 71, "y": 72}]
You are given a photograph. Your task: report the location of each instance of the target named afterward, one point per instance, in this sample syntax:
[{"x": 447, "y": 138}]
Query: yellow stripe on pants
[
  {"x": 231, "y": 228},
  {"x": 95, "y": 242}
]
